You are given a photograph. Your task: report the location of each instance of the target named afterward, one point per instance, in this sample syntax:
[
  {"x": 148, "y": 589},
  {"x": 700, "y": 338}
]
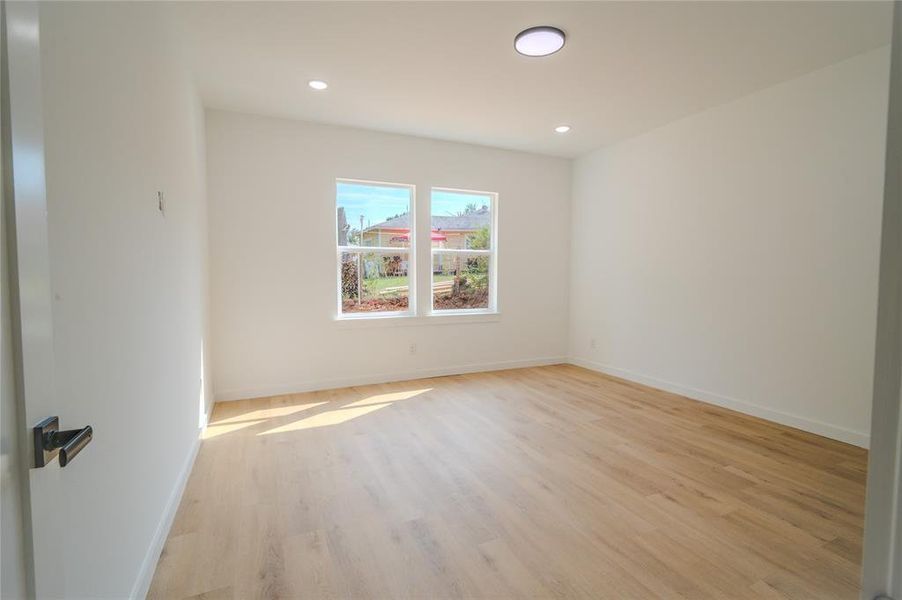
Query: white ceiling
[{"x": 448, "y": 70}]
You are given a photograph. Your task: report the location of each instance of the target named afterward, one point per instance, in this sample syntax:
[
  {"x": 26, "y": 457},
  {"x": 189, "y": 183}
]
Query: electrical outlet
[
  {"x": 593, "y": 344},
  {"x": 413, "y": 349}
]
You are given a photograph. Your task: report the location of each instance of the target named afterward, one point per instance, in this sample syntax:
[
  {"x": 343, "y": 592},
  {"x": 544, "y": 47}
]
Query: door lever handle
[
  {"x": 50, "y": 441},
  {"x": 70, "y": 443}
]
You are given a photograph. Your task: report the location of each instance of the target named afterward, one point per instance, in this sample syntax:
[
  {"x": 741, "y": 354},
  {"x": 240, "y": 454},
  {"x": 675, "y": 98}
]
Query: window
[
  {"x": 463, "y": 250},
  {"x": 375, "y": 248}
]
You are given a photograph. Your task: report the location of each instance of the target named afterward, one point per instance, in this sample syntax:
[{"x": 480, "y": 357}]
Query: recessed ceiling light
[
  {"x": 562, "y": 128},
  {"x": 539, "y": 41},
  {"x": 317, "y": 84}
]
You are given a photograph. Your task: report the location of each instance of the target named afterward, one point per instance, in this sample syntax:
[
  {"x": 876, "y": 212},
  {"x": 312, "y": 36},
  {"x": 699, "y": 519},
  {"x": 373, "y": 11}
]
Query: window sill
[{"x": 440, "y": 318}]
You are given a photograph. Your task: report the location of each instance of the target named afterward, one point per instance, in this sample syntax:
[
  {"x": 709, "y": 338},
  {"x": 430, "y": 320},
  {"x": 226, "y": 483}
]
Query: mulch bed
[
  {"x": 375, "y": 305},
  {"x": 466, "y": 299}
]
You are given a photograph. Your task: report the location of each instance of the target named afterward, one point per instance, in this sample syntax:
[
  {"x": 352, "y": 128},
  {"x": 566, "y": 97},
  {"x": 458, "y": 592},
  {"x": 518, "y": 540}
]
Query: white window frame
[
  {"x": 382, "y": 250},
  {"x": 492, "y": 253}
]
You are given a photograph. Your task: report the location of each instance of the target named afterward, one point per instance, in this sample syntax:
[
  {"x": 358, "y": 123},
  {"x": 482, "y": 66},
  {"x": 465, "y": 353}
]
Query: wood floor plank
[{"x": 549, "y": 482}]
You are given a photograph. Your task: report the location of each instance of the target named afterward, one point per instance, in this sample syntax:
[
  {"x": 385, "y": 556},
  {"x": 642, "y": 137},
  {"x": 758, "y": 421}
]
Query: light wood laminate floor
[{"x": 549, "y": 482}]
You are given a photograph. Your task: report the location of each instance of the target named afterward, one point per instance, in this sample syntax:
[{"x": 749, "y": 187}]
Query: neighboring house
[{"x": 447, "y": 232}]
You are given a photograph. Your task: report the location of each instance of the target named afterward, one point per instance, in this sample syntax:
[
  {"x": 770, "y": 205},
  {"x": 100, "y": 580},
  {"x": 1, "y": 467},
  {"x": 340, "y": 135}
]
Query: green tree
[
  {"x": 479, "y": 240},
  {"x": 469, "y": 209}
]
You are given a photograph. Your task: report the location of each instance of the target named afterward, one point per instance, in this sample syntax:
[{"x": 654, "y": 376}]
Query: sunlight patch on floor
[
  {"x": 325, "y": 419},
  {"x": 254, "y": 417},
  {"x": 269, "y": 413},
  {"x": 213, "y": 431},
  {"x": 388, "y": 397}
]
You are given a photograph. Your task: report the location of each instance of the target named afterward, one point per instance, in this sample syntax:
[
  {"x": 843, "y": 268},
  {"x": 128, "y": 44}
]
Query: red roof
[{"x": 405, "y": 237}]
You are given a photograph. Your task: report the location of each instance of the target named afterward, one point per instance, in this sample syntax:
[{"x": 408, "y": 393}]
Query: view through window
[
  {"x": 463, "y": 250},
  {"x": 375, "y": 230}
]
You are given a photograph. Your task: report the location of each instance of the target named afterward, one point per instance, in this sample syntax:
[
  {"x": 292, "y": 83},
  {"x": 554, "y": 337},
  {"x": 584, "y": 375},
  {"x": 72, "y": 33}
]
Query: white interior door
[
  {"x": 882, "y": 562},
  {"x": 44, "y": 499}
]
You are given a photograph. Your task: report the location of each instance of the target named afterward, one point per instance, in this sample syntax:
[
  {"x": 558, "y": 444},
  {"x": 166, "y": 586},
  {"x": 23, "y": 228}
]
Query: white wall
[
  {"x": 13, "y": 580},
  {"x": 122, "y": 121},
  {"x": 732, "y": 256},
  {"x": 272, "y": 246}
]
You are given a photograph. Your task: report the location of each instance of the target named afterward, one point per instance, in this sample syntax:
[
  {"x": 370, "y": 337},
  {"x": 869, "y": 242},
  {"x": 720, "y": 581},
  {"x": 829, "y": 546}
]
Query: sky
[{"x": 377, "y": 202}]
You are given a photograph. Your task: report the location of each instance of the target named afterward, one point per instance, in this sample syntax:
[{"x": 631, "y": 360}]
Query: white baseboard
[
  {"x": 149, "y": 564},
  {"x": 856, "y": 438},
  {"x": 326, "y": 384}
]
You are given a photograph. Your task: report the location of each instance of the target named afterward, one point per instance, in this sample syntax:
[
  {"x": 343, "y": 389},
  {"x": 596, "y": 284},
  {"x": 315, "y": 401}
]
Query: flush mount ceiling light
[
  {"x": 562, "y": 128},
  {"x": 539, "y": 41},
  {"x": 317, "y": 84}
]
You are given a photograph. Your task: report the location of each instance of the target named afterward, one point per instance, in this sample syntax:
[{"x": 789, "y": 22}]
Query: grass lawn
[{"x": 376, "y": 285}]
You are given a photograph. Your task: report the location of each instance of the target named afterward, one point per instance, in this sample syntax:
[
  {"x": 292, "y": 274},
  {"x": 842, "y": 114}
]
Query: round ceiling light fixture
[
  {"x": 562, "y": 128},
  {"x": 539, "y": 41},
  {"x": 317, "y": 84}
]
